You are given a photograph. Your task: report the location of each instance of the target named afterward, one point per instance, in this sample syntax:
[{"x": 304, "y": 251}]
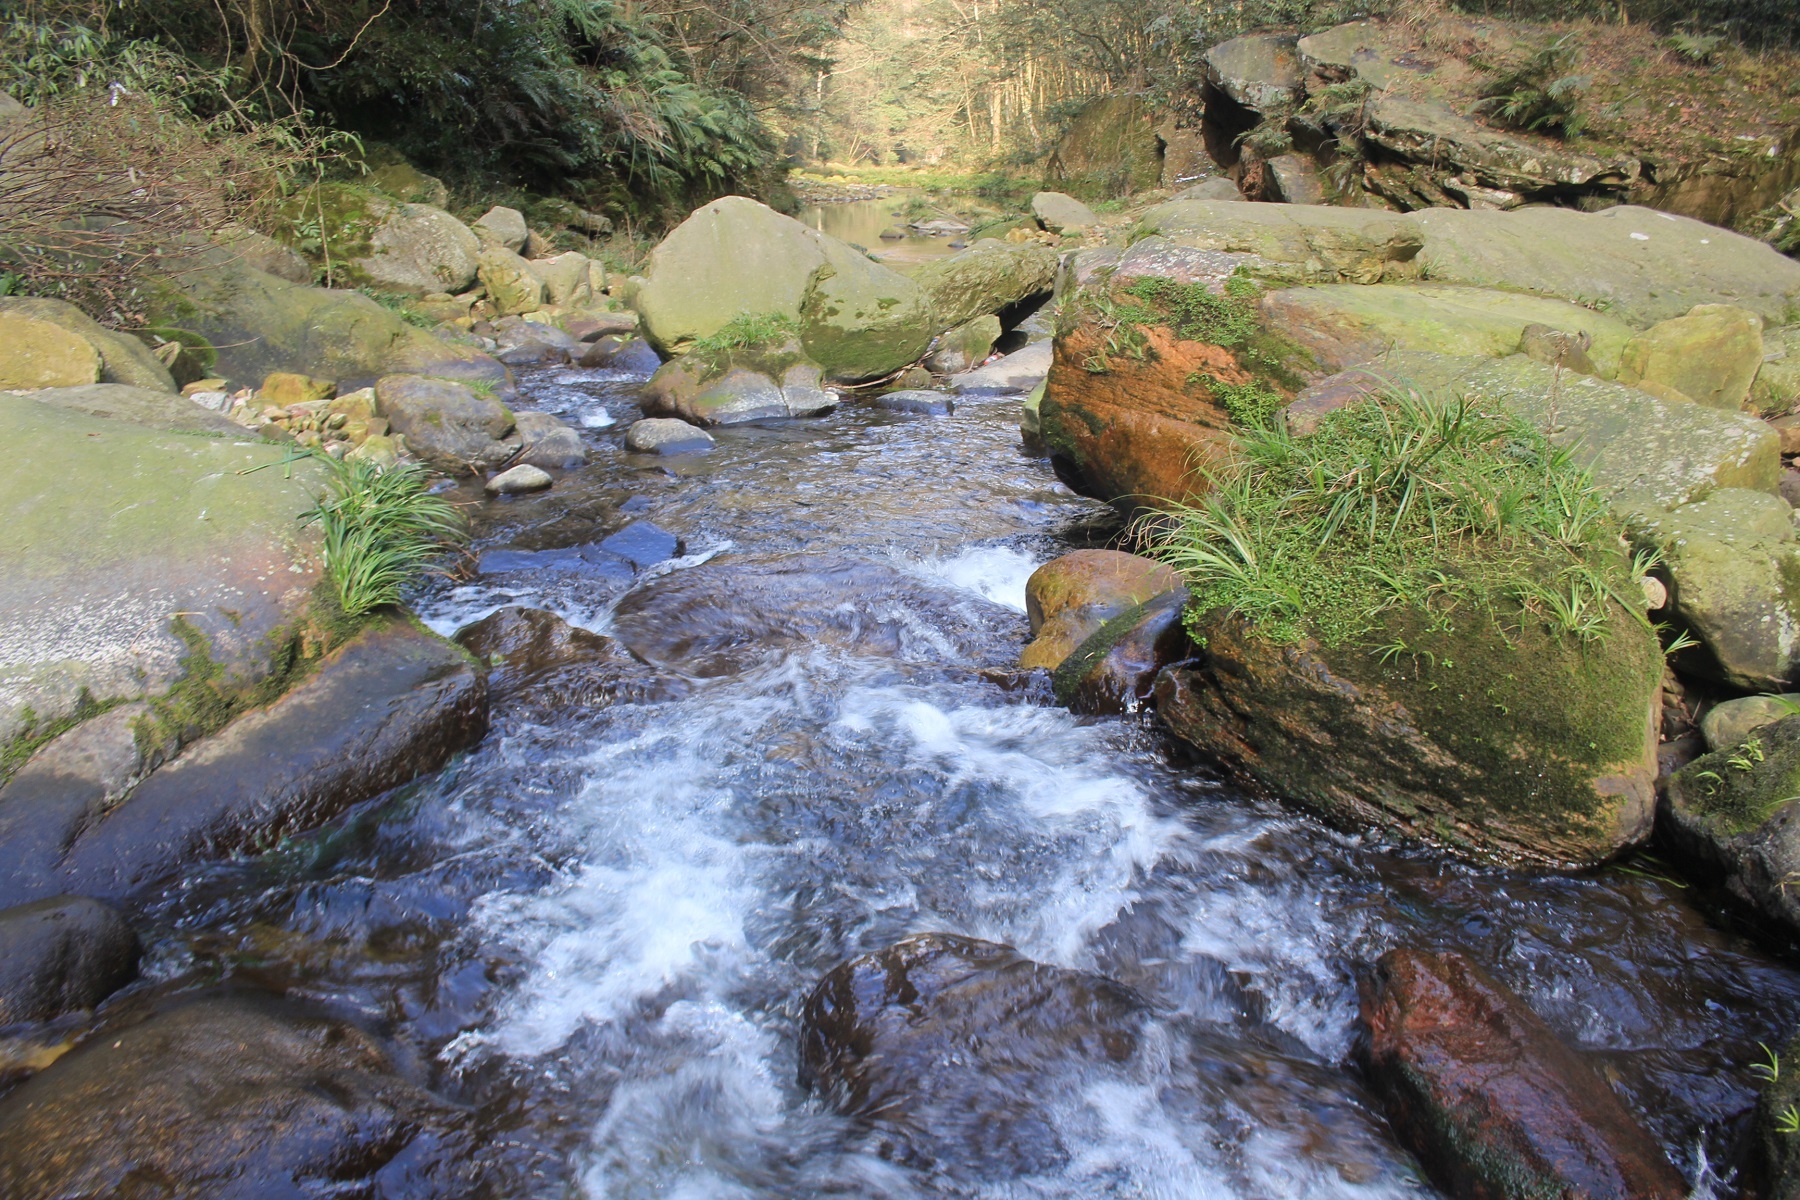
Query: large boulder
[
  {"x": 259, "y": 324},
  {"x": 1733, "y": 559},
  {"x": 61, "y": 955},
  {"x": 1512, "y": 745},
  {"x": 1775, "y": 1150},
  {"x": 1640, "y": 265},
  {"x": 736, "y": 386},
  {"x": 229, "y": 1095},
  {"x": 448, "y": 424},
  {"x": 1734, "y": 816},
  {"x": 857, "y": 319},
  {"x": 116, "y": 531},
  {"x": 263, "y": 252},
  {"x": 502, "y": 227},
  {"x": 986, "y": 280},
  {"x": 1777, "y": 385},
  {"x": 1138, "y": 432},
  {"x": 1069, "y": 598},
  {"x": 964, "y": 347},
  {"x": 567, "y": 278},
  {"x": 123, "y": 359},
  {"x": 419, "y": 249},
  {"x": 1060, "y": 212},
  {"x": 939, "y": 1044},
  {"x": 1710, "y": 356},
  {"x": 38, "y": 354},
  {"x": 1343, "y": 325},
  {"x": 1020, "y": 371},
  {"x": 1730, "y": 722},
  {"x": 1431, "y": 131},
  {"x": 1114, "y": 670},
  {"x": 1260, "y": 71},
  {"x": 393, "y": 703},
  {"x": 547, "y": 442},
  {"x": 1489, "y": 1098},
  {"x": 1296, "y": 243},
  {"x": 513, "y": 286}
]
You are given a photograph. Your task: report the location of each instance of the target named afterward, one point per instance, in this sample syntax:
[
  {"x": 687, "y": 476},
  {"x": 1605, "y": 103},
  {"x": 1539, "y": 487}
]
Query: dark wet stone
[
  {"x": 948, "y": 1048},
  {"x": 643, "y": 544},
  {"x": 538, "y": 658},
  {"x": 603, "y": 350},
  {"x": 61, "y": 955},
  {"x": 637, "y": 358},
  {"x": 576, "y": 560},
  {"x": 923, "y": 403},
  {"x": 1489, "y": 1098},
  {"x": 394, "y": 703},
  {"x": 728, "y": 614},
  {"x": 229, "y": 1097},
  {"x": 1115, "y": 669}
]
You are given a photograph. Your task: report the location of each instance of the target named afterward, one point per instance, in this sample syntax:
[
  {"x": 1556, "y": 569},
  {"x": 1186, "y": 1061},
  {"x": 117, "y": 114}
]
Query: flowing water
[{"x": 597, "y": 929}]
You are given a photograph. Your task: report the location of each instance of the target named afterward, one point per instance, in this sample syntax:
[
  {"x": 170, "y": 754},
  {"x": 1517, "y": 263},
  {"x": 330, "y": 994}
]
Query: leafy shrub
[
  {"x": 1400, "y": 501},
  {"x": 382, "y": 530}
]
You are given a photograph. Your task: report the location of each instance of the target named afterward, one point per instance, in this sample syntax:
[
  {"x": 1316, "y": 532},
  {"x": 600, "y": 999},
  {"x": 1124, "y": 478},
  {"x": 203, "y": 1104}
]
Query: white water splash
[{"x": 996, "y": 572}]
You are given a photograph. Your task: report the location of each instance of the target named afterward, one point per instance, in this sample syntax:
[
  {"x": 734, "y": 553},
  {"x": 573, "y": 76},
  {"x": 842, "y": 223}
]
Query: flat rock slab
[
  {"x": 573, "y": 560},
  {"x": 392, "y": 704},
  {"x": 61, "y": 955},
  {"x": 667, "y": 435},
  {"x": 144, "y": 407},
  {"x": 108, "y": 530},
  {"x": 1019, "y": 371},
  {"x": 917, "y": 401},
  {"x": 643, "y": 544}
]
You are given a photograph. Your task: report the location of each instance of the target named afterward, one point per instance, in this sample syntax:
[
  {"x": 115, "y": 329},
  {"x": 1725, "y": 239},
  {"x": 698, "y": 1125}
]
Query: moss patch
[
  {"x": 36, "y": 734},
  {"x": 1737, "y": 789}
]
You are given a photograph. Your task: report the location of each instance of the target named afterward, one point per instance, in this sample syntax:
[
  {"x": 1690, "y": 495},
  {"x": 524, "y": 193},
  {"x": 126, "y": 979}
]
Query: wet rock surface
[
  {"x": 393, "y": 703},
  {"x": 1489, "y": 1098},
  {"x": 233, "y": 1095},
  {"x": 941, "y": 1043},
  {"x": 61, "y": 955}
]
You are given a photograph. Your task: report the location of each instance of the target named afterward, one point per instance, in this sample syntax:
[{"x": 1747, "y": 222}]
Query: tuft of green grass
[
  {"x": 382, "y": 530},
  {"x": 1431, "y": 505},
  {"x": 748, "y": 331}
]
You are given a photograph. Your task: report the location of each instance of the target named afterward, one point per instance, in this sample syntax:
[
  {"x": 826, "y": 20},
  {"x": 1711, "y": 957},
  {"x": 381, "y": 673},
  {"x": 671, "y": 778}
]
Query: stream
[{"x": 597, "y": 929}]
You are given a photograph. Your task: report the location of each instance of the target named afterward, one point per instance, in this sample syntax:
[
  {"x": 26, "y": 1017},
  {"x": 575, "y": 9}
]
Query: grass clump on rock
[
  {"x": 382, "y": 528},
  {"x": 1402, "y": 501},
  {"x": 748, "y": 331}
]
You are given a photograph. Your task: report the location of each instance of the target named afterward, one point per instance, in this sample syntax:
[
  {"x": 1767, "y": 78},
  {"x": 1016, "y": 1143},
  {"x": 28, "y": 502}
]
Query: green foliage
[
  {"x": 1253, "y": 404},
  {"x": 1400, "y": 501},
  {"x": 748, "y": 331},
  {"x": 1542, "y": 94},
  {"x": 1697, "y": 48},
  {"x": 1192, "y": 311},
  {"x": 382, "y": 530}
]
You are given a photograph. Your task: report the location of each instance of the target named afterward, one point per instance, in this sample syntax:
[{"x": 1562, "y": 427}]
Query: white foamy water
[{"x": 996, "y": 572}]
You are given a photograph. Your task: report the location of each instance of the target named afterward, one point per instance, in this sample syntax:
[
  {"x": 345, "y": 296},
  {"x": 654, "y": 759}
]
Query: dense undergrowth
[{"x": 1401, "y": 502}]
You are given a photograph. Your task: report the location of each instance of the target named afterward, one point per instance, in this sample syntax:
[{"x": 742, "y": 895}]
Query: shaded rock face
[
  {"x": 61, "y": 955},
  {"x": 1538, "y": 751},
  {"x": 392, "y": 704},
  {"x": 857, "y": 319},
  {"x": 231, "y": 1096},
  {"x": 1135, "y": 434},
  {"x": 537, "y": 659},
  {"x": 104, "y": 541},
  {"x": 1114, "y": 670},
  {"x": 1734, "y": 814},
  {"x": 943, "y": 1046},
  {"x": 259, "y": 324},
  {"x": 1492, "y": 1102},
  {"x": 1774, "y": 1168},
  {"x": 731, "y": 613},
  {"x": 988, "y": 279},
  {"x": 447, "y": 424}
]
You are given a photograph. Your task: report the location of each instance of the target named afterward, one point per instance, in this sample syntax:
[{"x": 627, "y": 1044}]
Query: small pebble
[{"x": 522, "y": 478}]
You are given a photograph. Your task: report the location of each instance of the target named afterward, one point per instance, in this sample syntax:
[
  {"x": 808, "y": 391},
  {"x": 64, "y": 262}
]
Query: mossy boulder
[
  {"x": 115, "y": 532},
  {"x": 1343, "y": 325},
  {"x": 1109, "y": 149},
  {"x": 1498, "y": 744},
  {"x": 1710, "y": 356},
  {"x": 1774, "y": 1154},
  {"x": 123, "y": 359},
  {"x": 735, "y": 386},
  {"x": 513, "y": 287},
  {"x": 1637, "y": 264},
  {"x": 965, "y": 347},
  {"x": 856, "y": 319},
  {"x": 259, "y": 324},
  {"x": 38, "y": 354},
  {"x": 1114, "y": 669},
  {"x": 1260, "y": 71},
  {"x": 1069, "y": 599},
  {"x": 1733, "y": 561},
  {"x": 418, "y": 249},
  {"x": 448, "y": 424},
  {"x": 1735, "y": 815},
  {"x": 987, "y": 279},
  {"x": 1776, "y": 389},
  {"x": 1731, "y": 721},
  {"x": 1296, "y": 243}
]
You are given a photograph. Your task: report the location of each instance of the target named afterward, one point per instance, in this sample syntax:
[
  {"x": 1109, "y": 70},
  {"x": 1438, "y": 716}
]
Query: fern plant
[{"x": 1542, "y": 94}]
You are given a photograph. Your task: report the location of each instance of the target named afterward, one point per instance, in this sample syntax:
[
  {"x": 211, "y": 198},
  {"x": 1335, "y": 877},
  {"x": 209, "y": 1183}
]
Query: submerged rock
[
  {"x": 538, "y": 659},
  {"x": 643, "y": 544},
  {"x": 61, "y": 955},
  {"x": 1530, "y": 747},
  {"x": 1489, "y": 1098},
  {"x": 228, "y": 1095},
  {"x": 948, "y": 1049},
  {"x": 920, "y": 402},
  {"x": 392, "y": 704},
  {"x": 1734, "y": 814},
  {"x": 1114, "y": 669}
]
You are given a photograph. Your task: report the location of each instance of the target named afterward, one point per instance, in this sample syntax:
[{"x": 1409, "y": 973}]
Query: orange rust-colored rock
[{"x": 1142, "y": 431}]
